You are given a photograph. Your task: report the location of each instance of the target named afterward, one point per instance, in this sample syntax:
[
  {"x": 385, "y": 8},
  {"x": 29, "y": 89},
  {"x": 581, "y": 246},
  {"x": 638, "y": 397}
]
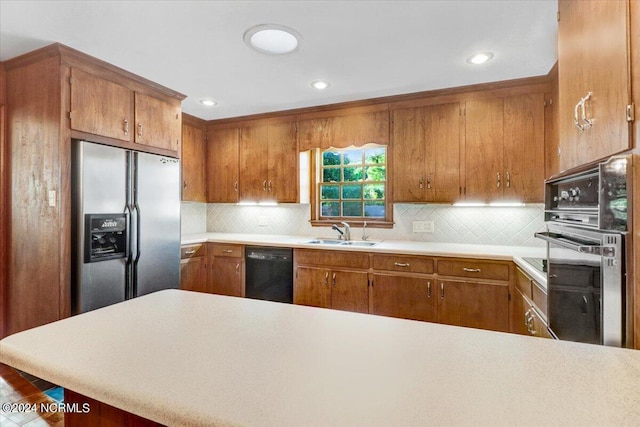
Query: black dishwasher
[{"x": 269, "y": 273}]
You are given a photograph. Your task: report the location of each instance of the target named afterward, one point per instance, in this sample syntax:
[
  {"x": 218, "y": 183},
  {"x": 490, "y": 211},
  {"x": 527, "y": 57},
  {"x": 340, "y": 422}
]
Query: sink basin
[
  {"x": 358, "y": 243},
  {"x": 340, "y": 242}
]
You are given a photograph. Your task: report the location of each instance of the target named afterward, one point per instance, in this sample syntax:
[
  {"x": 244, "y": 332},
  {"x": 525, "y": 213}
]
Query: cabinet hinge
[
  {"x": 69, "y": 115},
  {"x": 558, "y": 16},
  {"x": 509, "y": 299},
  {"x": 69, "y": 80},
  {"x": 631, "y": 112}
]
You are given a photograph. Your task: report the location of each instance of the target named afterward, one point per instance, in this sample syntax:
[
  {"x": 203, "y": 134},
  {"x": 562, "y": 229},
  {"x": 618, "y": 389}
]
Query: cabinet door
[
  {"x": 282, "y": 185},
  {"x": 193, "y": 274},
  {"x": 483, "y": 150},
  {"x": 474, "y": 304},
  {"x": 101, "y": 107},
  {"x": 254, "y": 143},
  {"x": 407, "y": 297},
  {"x": 593, "y": 57},
  {"x": 538, "y": 326},
  {"x": 519, "y": 314},
  {"x": 192, "y": 163},
  {"x": 408, "y": 154},
  {"x": 350, "y": 291},
  {"x": 442, "y": 139},
  {"x": 523, "y": 152},
  {"x": 312, "y": 287},
  {"x": 158, "y": 122},
  {"x": 222, "y": 165},
  {"x": 227, "y": 276}
]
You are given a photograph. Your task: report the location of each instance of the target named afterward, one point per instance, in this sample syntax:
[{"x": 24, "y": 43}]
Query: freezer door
[
  {"x": 99, "y": 182},
  {"x": 157, "y": 213}
]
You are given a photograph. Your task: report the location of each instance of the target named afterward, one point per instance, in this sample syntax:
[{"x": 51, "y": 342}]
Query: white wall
[{"x": 478, "y": 225}]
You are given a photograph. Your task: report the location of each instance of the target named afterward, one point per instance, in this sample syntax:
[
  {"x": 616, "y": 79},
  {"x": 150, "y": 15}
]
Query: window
[{"x": 352, "y": 184}]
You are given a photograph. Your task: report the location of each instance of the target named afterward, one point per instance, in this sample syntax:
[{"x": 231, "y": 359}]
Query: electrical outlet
[
  {"x": 262, "y": 221},
  {"x": 423, "y": 226}
]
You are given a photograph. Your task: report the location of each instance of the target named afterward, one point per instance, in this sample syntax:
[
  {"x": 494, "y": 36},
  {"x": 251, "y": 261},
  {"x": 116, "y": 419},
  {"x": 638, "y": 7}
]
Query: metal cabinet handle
[
  {"x": 140, "y": 130},
  {"x": 442, "y": 290},
  {"x": 334, "y": 279},
  {"x": 238, "y": 268},
  {"x": 508, "y": 184},
  {"x": 235, "y": 186},
  {"x": 227, "y": 251},
  {"x": 428, "y": 288},
  {"x": 326, "y": 278},
  {"x": 471, "y": 270},
  {"x": 575, "y": 117},
  {"x": 585, "y": 309},
  {"x": 421, "y": 182},
  {"x": 125, "y": 126},
  {"x": 399, "y": 264},
  {"x": 526, "y": 319},
  {"x": 269, "y": 185},
  {"x": 191, "y": 252},
  {"x": 583, "y": 102},
  {"x": 499, "y": 178},
  {"x": 184, "y": 184},
  {"x": 264, "y": 185},
  {"x": 429, "y": 181}
]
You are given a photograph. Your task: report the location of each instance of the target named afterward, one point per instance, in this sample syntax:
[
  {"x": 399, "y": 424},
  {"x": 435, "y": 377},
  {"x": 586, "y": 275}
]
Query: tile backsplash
[{"x": 512, "y": 226}]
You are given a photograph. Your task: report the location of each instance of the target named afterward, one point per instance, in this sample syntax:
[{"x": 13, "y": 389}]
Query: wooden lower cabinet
[
  {"x": 406, "y": 297},
  {"x": 226, "y": 276},
  {"x": 481, "y": 305},
  {"x": 193, "y": 274},
  {"x": 337, "y": 289}
]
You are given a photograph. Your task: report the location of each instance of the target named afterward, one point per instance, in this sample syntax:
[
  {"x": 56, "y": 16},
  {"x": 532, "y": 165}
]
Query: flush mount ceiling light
[
  {"x": 208, "y": 102},
  {"x": 273, "y": 39},
  {"x": 480, "y": 58},
  {"x": 320, "y": 84}
]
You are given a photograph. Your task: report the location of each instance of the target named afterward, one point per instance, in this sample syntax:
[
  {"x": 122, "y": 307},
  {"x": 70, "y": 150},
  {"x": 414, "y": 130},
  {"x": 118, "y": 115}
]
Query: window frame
[{"x": 315, "y": 183}]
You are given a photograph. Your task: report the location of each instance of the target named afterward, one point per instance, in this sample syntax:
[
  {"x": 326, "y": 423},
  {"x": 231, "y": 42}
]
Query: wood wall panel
[{"x": 33, "y": 99}]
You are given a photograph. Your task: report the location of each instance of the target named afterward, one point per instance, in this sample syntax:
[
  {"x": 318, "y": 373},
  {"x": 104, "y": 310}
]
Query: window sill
[{"x": 352, "y": 223}]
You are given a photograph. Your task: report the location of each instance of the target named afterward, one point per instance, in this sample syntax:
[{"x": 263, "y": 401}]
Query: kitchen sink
[{"x": 341, "y": 242}]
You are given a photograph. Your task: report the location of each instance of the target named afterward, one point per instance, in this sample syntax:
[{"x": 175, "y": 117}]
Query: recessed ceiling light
[
  {"x": 480, "y": 58},
  {"x": 320, "y": 84},
  {"x": 273, "y": 39},
  {"x": 208, "y": 102}
]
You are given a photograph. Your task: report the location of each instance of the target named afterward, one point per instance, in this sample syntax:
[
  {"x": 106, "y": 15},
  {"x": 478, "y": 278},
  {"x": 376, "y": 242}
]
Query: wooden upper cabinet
[
  {"x": 593, "y": 59},
  {"x": 269, "y": 163},
  {"x": 426, "y": 153},
  {"x": 101, "y": 107},
  {"x": 344, "y": 131},
  {"x": 222, "y": 165},
  {"x": 193, "y": 161},
  {"x": 483, "y": 156},
  {"x": 523, "y": 152},
  {"x": 158, "y": 122}
]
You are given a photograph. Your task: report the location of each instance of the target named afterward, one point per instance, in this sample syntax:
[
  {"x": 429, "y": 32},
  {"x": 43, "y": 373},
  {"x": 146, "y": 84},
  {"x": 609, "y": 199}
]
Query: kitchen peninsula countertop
[
  {"x": 190, "y": 359},
  {"x": 463, "y": 250}
]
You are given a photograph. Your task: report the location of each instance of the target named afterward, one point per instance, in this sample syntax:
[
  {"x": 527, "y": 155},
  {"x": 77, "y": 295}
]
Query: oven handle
[{"x": 604, "y": 251}]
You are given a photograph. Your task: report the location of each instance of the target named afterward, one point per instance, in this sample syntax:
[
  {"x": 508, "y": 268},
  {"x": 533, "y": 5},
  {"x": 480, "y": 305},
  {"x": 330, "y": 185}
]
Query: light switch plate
[
  {"x": 52, "y": 198},
  {"x": 423, "y": 226}
]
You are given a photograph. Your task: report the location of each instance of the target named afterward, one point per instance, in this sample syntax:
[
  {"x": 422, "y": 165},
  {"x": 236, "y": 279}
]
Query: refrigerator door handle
[{"x": 136, "y": 236}]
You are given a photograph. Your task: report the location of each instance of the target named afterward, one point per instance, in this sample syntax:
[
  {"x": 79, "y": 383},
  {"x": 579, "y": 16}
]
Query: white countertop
[
  {"x": 498, "y": 252},
  {"x": 189, "y": 359}
]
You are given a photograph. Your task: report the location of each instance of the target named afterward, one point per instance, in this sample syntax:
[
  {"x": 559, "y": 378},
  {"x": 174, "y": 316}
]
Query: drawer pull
[
  {"x": 472, "y": 270},
  {"x": 191, "y": 252},
  {"x": 399, "y": 264},
  {"x": 227, "y": 251}
]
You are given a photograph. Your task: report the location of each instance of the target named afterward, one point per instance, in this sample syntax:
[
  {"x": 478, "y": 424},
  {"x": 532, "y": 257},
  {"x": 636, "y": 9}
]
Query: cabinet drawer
[
  {"x": 523, "y": 283},
  {"x": 539, "y": 298},
  {"x": 474, "y": 269},
  {"x": 403, "y": 263},
  {"x": 329, "y": 258},
  {"x": 223, "y": 250},
  {"x": 193, "y": 251}
]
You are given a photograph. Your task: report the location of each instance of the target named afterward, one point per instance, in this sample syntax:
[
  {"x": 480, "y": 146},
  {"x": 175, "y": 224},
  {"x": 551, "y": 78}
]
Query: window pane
[
  {"x": 376, "y": 155},
  {"x": 330, "y": 192},
  {"x": 374, "y": 191},
  {"x": 376, "y": 173},
  {"x": 352, "y": 157},
  {"x": 330, "y": 209},
  {"x": 374, "y": 209},
  {"x": 351, "y": 208},
  {"x": 352, "y": 174},
  {"x": 352, "y": 191},
  {"x": 331, "y": 158},
  {"x": 331, "y": 175}
]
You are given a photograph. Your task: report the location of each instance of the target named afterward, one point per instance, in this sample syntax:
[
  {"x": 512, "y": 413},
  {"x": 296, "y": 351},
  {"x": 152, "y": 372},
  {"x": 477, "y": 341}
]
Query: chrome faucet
[
  {"x": 365, "y": 236},
  {"x": 337, "y": 228},
  {"x": 347, "y": 231}
]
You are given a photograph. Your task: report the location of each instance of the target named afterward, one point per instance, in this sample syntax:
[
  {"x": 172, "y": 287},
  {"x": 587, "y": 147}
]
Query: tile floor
[{"x": 18, "y": 389}]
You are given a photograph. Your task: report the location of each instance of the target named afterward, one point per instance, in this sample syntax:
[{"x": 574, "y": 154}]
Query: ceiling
[{"x": 366, "y": 49}]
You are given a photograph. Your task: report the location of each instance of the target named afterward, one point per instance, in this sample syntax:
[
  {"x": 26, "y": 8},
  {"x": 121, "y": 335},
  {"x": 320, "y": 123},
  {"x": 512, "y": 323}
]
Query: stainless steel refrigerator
[{"x": 125, "y": 224}]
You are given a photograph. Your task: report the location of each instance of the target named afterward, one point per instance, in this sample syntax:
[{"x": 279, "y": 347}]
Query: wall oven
[{"x": 586, "y": 215}]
